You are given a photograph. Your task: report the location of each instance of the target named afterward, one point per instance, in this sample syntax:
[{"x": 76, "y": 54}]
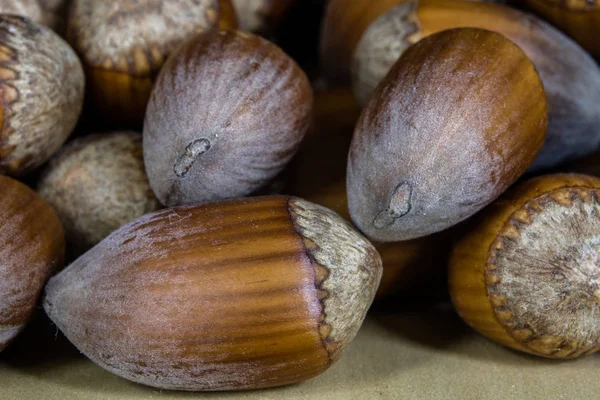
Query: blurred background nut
[
  {"x": 45, "y": 12},
  {"x": 124, "y": 43},
  {"x": 97, "y": 184},
  {"x": 261, "y": 16}
]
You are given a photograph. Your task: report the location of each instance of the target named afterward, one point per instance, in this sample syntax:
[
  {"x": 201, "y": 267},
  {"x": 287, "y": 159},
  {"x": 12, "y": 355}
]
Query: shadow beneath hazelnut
[{"x": 441, "y": 330}]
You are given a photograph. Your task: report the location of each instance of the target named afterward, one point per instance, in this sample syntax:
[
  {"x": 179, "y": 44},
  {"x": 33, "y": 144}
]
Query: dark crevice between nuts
[
  {"x": 192, "y": 152},
  {"x": 400, "y": 205}
]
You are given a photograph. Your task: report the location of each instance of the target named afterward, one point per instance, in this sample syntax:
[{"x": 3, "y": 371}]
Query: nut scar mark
[
  {"x": 400, "y": 205},
  {"x": 192, "y": 152}
]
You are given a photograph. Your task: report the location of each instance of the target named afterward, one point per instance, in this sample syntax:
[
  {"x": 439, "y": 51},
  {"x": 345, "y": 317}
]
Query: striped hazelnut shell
[
  {"x": 580, "y": 19},
  {"x": 228, "y": 112},
  {"x": 41, "y": 93},
  {"x": 457, "y": 120},
  {"x": 386, "y": 29},
  {"x": 527, "y": 275},
  {"x": 32, "y": 248},
  {"x": 123, "y": 45},
  {"x": 96, "y": 184},
  {"x": 241, "y": 294}
]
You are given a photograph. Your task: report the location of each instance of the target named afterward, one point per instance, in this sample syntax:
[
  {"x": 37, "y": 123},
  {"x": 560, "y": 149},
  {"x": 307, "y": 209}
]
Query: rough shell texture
[
  {"x": 228, "y": 112},
  {"x": 240, "y": 294},
  {"x": 41, "y": 88},
  {"x": 260, "y": 15},
  {"x": 571, "y": 81},
  {"x": 32, "y": 246},
  {"x": 459, "y": 118},
  {"x": 97, "y": 184},
  {"x": 528, "y": 275},
  {"x": 123, "y": 45}
]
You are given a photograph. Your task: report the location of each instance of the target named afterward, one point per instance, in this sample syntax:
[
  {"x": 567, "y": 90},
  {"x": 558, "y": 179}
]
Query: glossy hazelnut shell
[
  {"x": 41, "y": 93},
  {"x": 32, "y": 247},
  {"x": 242, "y": 294},
  {"x": 520, "y": 300},
  {"x": 123, "y": 45},
  {"x": 228, "y": 112},
  {"x": 444, "y": 134},
  {"x": 580, "y": 19},
  {"x": 376, "y": 34},
  {"x": 96, "y": 184}
]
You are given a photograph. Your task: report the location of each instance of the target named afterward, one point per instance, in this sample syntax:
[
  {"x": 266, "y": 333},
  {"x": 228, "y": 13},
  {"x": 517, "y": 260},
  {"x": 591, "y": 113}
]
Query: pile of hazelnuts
[{"x": 240, "y": 239}]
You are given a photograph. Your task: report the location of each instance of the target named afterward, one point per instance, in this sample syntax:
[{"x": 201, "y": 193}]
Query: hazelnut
[
  {"x": 318, "y": 174},
  {"x": 375, "y": 35},
  {"x": 528, "y": 274},
  {"x": 32, "y": 247},
  {"x": 261, "y": 16},
  {"x": 242, "y": 294},
  {"x": 97, "y": 184},
  {"x": 457, "y": 120},
  {"x": 123, "y": 45},
  {"x": 45, "y": 12},
  {"x": 228, "y": 112},
  {"x": 580, "y": 19},
  {"x": 41, "y": 93}
]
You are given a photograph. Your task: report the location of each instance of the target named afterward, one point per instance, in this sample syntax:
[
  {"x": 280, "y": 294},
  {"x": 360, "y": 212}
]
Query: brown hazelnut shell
[
  {"x": 318, "y": 174},
  {"x": 41, "y": 93},
  {"x": 32, "y": 248},
  {"x": 242, "y": 294},
  {"x": 96, "y": 184},
  {"x": 121, "y": 72},
  {"x": 457, "y": 120},
  {"x": 376, "y": 34},
  {"x": 261, "y": 16},
  {"x": 228, "y": 112},
  {"x": 580, "y": 19},
  {"x": 526, "y": 275}
]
